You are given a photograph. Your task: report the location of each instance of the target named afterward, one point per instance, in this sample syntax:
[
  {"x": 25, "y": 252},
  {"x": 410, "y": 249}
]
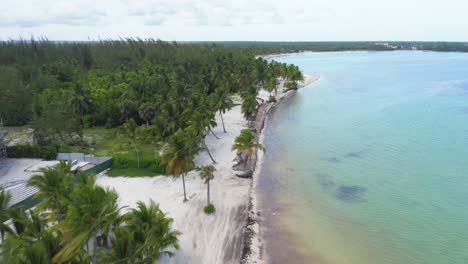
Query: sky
[{"x": 246, "y": 20}]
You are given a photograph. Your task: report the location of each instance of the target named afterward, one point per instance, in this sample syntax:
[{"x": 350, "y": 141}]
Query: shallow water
[{"x": 370, "y": 164}]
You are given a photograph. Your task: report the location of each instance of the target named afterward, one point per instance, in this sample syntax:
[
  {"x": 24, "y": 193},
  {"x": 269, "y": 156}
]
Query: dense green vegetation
[
  {"x": 80, "y": 222},
  {"x": 32, "y": 151},
  {"x": 151, "y": 92}
]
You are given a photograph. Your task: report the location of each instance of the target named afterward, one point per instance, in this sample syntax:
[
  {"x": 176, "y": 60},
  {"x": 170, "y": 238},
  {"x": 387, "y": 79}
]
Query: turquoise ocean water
[{"x": 369, "y": 164}]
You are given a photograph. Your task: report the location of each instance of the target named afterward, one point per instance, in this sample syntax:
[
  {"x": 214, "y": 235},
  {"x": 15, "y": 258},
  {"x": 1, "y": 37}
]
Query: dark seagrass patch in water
[{"x": 350, "y": 193}]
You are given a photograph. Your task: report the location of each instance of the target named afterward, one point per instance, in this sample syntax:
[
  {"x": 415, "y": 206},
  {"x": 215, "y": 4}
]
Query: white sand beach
[{"x": 205, "y": 238}]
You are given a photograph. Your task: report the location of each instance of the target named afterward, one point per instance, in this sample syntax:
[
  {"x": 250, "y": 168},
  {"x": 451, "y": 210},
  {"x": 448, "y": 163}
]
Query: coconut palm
[
  {"x": 52, "y": 188},
  {"x": 146, "y": 236},
  {"x": 207, "y": 174},
  {"x": 272, "y": 85},
  {"x": 92, "y": 210},
  {"x": 245, "y": 143},
  {"x": 5, "y": 198},
  {"x": 178, "y": 154},
  {"x": 223, "y": 103},
  {"x": 249, "y": 107}
]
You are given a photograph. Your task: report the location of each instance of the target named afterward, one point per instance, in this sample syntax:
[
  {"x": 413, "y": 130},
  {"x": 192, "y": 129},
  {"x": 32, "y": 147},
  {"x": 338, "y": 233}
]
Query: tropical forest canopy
[{"x": 59, "y": 88}]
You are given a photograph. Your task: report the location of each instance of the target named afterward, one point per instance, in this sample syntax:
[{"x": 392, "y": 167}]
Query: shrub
[
  {"x": 271, "y": 99},
  {"x": 209, "y": 209},
  {"x": 32, "y": 151}
]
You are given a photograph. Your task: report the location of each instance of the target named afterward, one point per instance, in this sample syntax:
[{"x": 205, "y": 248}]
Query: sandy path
[{"x": 205, "y": 239}]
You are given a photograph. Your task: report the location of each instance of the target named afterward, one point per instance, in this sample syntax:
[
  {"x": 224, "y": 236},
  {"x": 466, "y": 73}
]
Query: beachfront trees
[
  {"x": 178, "y": 154},
  {"x": 249, "y": 107},
  {"x": 249, "y": 103},
  {"x": 207, "y": 174},
  {"x": 145, "y": 236},
  {"x": 92, "y": 215},
  {"x": 245, "y": 144},
  {"x": 272, "y": 85},
  {"x": 92, "y": 211},
  {"x": 52, "y": 188}
]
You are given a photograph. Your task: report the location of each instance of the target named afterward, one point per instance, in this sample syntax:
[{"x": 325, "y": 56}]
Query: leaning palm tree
[
  {"x": 5, "y": 198},
  {"x": 245, "y": 143},
  {"x": 201, "y": 122},
  {"x": 223, "y": 103},
  {"x": 207, "y": 174},
  {"x": 52, "y": 188},
  {"x": 178, "y": 154}
]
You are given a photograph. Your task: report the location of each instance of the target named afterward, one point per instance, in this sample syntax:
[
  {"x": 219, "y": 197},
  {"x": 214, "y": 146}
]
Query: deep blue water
[{"x": 370, "y": 164}]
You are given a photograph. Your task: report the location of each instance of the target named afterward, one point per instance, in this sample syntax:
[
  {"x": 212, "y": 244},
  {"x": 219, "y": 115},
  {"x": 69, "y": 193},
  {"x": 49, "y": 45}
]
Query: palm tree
[
  {"x": 245, "y": 143},
  {"x": 5, "y": 198},
  {"x": 207, "y": 174},
  {"x": 34, "y": 242},
  {"x": 249, "y": 106},
  {"x": 178, "y": 154},
  {"x": 223, "y": 103},
  {"x": 146, "y": 112},
  {"x": 131, "y": 128},
  {"x": 92, "y": 210},
  {"x": 52, "y": 187},
  {"x": 146, "y": 236},
  {"x": 127, "y": 107},
  {"x": 272, "y": 85},
  {"x": 202, "y": 121}
]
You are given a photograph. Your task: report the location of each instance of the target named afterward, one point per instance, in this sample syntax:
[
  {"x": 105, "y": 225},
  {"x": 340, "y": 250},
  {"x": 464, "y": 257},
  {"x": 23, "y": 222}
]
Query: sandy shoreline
[
  {"x": 254, "y": 239},
  {"x": 220, "y": 238}
]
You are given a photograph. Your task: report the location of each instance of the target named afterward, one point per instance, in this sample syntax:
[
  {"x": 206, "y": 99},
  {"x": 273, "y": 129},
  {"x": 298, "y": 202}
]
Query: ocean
[{"x": 370, "y": 163}]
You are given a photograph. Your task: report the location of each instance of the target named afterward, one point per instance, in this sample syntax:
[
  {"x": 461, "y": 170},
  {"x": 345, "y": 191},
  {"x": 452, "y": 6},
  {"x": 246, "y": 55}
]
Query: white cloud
[{"x": 235, "y": 20}]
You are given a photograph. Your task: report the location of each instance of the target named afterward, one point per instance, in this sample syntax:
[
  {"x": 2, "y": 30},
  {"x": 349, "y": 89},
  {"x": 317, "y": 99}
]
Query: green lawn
[
  {"x": 132, "y": 172},
  {"x": 113, "y": 142}
]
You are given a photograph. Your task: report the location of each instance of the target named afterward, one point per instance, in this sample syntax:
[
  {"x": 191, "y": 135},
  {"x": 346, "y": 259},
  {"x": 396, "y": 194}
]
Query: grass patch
[
  {"x": 124, "y": 151},
  {"x": 132, "y": 172}
]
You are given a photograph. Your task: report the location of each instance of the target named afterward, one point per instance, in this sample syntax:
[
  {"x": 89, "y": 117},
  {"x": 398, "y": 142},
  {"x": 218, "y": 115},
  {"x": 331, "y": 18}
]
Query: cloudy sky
[{"x": 235, "y": 20}]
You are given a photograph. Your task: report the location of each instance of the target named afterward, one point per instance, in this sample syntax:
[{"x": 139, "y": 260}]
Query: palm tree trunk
[
  {"x": 3, "y": 236},
  {"x": 214, "y": 134},
  {"x": 138, "y": 156},
  {"x": 208, "y": 150},
  {"x": 208, "y": 193},
  {"x": 57, "y": 207},
  {"x": 147, "y": 123},
  {"x": 222, "y": 121},
  {"x": 183, "y": 183},
  {"x": 95, "y": 246}
]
